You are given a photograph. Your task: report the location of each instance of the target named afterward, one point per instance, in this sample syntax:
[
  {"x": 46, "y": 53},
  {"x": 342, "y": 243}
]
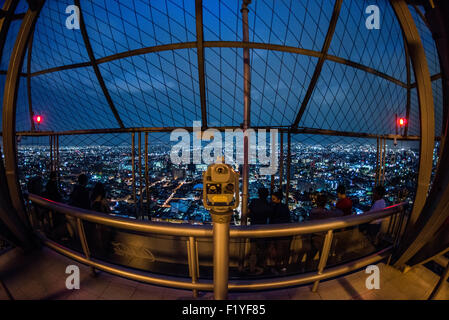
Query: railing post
[
  {"x": 83, "y": 241},
  {"x": 140, "y": 176},
  {"x": 324, "y": 255},
  {"x": 440, "y": 283},
  {"x": 221, "y": 223},
  {"x": 192, "y": 255},
  {"x": 133, "y": 164},
  {"x": 147, "y": 207}
]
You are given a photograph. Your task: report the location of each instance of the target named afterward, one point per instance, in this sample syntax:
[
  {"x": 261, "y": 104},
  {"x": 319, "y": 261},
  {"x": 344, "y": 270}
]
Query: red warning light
[
  {"x": 38, "y": 119},
  {"x": 402, "y": 122}
]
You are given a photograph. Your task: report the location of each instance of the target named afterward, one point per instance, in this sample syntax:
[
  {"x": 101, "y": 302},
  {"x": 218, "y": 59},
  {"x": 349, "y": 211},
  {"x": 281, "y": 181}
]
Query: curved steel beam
[
  {"x": 228, "y": 44},
  {"x": 319, "y": 65},
  {"x": 409, "y": 89},
  {"x": 9, "y": 108},
  {"x": 90, "y": 52},
  {"x": 30, "y": 102},
  {"x": 425, "y": 98},
  {"x": 422, "y": 239}
]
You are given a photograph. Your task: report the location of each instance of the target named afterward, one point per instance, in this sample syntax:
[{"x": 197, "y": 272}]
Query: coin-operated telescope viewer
[{"x": 221, "y": 196}]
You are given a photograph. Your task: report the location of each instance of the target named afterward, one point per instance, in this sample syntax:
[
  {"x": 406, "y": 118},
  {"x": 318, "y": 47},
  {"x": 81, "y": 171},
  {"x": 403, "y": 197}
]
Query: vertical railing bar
[
  {"x": 57, "y": 158},
  {"x": 147, "y": 207},
  {"x": 83, "y": 241},
  {"x": 140, "y": 175},
  {"x": 133, "y": 164},
  {"x": 324, "y": 256},
  {"x": 401, "y": 220},
  {"x": 192, "y": 263},
  {"x": 289, "y": 160},
  {"x": 281, "y": 162}
]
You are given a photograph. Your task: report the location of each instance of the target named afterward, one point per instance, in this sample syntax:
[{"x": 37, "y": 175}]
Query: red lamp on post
[{"x": 38, "y": 119}]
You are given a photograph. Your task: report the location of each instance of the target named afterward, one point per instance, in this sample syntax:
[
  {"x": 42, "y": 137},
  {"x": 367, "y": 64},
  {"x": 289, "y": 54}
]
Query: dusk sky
[{"x": 162, "y": 89}]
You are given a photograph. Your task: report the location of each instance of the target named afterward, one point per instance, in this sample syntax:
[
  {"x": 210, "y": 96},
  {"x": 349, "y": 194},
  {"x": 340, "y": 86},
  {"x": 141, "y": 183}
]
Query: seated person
[
  {"x": 372, "y": 229},
  {"x": 80, "y": 195},
  {"x": 98, "y": 201},
  {"x": 343, "y": 203},
  {"x": 280, "y": 212},
  {"x": 279, "y": 249},
  {"x": 378, "y": 198},
  {"x": 320, "y": 212},
  {"x": 259, "y": 209},
  {"x": 52, "y": 188}
]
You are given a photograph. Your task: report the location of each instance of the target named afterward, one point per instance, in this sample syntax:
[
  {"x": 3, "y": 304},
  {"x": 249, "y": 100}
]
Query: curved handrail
[
  {"x": 191, "y": 231},
  {"x": 255, "y": 231}
]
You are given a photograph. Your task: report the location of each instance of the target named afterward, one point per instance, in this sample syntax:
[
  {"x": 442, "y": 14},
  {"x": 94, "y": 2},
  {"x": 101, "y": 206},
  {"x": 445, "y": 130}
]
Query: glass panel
[
  {"x": 53, "y": 43},
  {"x": 70, "y": 100},
  {"x": 348, "y": 99},
  {"x": 155, "y": 90},
  {"x": 224, "y": 86},
  {"x": 279, "y": 82},
  {"x": 381, "y": 49},
  {"x": 119, "y": 26},
  {"x": 9, "y": 43}
]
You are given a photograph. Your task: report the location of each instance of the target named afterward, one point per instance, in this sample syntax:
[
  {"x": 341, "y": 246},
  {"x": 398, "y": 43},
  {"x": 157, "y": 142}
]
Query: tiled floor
[{"x": 41, "y": 275}]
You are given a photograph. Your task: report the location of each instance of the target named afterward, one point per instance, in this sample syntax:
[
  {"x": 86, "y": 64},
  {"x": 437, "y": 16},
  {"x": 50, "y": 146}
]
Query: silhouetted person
[
  {"x": 100, "y": 234},
  {"x": 39, "y": 216},
  {"x": 52, "y": 189},
  {"x": 343, "y": 203},
  {"x": 320, "y": 212},
  {"x": 80, "y": 195},
  {"x": 378, "y": 198},
  {"x": 373, "y": 227},
  {"x": 260, "y": 209},
  {"x": 280, "y": 212},
  {"x": 98, "y": 199},
  {"x": 280, "y": 247}
]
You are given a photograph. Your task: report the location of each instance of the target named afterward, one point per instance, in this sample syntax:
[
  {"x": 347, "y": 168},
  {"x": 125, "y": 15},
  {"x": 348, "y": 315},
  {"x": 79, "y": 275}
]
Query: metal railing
[{"x": 396, "y": 224}]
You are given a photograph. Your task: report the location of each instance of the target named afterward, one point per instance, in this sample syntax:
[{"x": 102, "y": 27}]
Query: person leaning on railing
[
  {"x": 259, "y": 210},
  {"x": 279, "y": 248},
  {"x": 78, "y": 198}
]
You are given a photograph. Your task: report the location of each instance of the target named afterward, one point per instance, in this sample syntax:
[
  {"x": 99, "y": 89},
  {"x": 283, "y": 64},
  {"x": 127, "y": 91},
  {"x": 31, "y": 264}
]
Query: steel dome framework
[{"x": 151, "y": 68}]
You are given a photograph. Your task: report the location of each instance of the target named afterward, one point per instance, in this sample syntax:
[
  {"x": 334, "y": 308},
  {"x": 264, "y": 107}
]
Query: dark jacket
[
  {"x": 280, "y": 213},
  {"x": 80, "y": 197},
  {"x": 259, "y": 211},
  {"x": 52, "y": 192}
]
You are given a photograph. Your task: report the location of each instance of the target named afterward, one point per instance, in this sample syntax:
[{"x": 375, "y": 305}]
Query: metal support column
[
  {"x": 377, "y": 163},
  {"x": 289, "y": 161},
  {"x": 246, "y": 111},
  {"x": 133, "y": 164},
  {"x": 50, "y": 142},
  {"x": 200, "y": 57},
  {"x": 281, "y": 162},
  {"x": 221, "y": 223}
]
